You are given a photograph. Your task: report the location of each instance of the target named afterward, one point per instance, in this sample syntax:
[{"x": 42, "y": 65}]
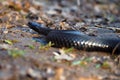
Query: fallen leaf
[{"x": 61, "y": 55}]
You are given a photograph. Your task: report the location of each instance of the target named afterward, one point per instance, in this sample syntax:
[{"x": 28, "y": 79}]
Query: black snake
[{"x": 77, "y": 39}]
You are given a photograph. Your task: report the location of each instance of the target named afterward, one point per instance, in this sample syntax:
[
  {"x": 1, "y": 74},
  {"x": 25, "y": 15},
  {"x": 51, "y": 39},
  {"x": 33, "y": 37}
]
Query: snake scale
[{"x": 77, "y": 39}]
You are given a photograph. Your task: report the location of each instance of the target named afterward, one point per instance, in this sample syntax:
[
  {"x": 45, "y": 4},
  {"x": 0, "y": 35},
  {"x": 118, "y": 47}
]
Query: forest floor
[{"x": 23, "y": 58}]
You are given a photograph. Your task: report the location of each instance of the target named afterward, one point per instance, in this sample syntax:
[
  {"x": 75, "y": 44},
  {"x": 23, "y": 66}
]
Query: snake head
[
  {"x": 38, "y": 28},
  {"x": 33, "y": 25}
]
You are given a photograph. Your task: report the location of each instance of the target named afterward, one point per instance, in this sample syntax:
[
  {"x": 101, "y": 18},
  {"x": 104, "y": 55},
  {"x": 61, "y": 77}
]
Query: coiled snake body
[{"x": 77, "y": 39}]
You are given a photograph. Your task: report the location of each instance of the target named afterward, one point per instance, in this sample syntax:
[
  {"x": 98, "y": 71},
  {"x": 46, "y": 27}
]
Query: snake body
[{"x": 77, "y": 39}]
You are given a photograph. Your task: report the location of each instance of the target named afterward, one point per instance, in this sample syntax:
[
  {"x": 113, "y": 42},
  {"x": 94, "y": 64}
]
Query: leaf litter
[{"x": 68, "y": 64}]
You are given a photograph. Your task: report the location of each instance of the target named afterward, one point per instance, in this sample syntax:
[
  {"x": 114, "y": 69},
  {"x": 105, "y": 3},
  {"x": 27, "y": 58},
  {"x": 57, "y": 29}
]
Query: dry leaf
[{"x": 61, "y": 55}]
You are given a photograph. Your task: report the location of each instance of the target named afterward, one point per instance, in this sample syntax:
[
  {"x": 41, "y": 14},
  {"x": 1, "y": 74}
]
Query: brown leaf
[{"x": 88, "y": 78}]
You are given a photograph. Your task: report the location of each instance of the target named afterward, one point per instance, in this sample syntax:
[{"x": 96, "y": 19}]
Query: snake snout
[{"x": 29, "y": 24}]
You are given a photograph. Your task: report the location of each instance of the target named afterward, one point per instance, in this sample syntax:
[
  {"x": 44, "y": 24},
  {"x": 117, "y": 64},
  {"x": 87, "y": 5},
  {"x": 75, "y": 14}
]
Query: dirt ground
[{"x": 23, "y": 58}]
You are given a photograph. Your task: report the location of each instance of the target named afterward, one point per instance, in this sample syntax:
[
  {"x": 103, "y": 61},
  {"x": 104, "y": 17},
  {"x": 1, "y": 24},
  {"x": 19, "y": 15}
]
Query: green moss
[
  {"x": 9, "y": 42},
  {"x": 47, "y": 46},
  {"x": 16, "y": 53}
]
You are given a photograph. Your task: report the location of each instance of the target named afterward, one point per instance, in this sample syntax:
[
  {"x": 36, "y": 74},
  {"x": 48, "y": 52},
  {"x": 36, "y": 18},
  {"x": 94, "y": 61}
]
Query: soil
[{"x": 23, "y": 58}]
